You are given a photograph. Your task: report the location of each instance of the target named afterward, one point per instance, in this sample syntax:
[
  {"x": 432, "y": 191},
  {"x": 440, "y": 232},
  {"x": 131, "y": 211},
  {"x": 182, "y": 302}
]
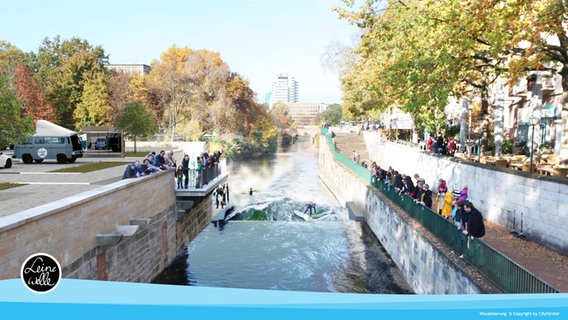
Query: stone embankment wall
[
  {"x": 68, "y": 230},
  {"x": 424, "y": 263},
  {"x": 501, "y": 194}
]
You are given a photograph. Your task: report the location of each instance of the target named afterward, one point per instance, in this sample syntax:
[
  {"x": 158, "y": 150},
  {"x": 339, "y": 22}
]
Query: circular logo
[
  {"x": 41, "y": 273},
  {"x": 42, "y": 152}
]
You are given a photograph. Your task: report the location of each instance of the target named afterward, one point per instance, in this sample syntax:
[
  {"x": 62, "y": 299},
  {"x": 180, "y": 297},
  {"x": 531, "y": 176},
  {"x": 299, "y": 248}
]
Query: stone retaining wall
[
  {"x": 67, "y": 229},
  {"x": 500, "y": 194}
]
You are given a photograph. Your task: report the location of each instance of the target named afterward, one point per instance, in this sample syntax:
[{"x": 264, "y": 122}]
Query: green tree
[
  {"x": 63, "y": 67},
  {"x": 332, "y": 114},
  {"x": 14, "y": 127},
  {"x": 136, "y": 122}
]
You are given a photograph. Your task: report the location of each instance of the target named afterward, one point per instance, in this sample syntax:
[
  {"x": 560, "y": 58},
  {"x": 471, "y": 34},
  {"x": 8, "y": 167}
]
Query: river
[{"x": 266, "y": 246}]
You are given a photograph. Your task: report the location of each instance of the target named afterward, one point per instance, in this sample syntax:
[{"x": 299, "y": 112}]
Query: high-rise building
[{"x": 284, "y": 89}]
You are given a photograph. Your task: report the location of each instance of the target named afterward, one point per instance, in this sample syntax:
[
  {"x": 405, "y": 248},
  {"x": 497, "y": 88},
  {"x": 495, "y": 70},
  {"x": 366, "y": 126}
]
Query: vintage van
[{"x": 50, "y": 142}]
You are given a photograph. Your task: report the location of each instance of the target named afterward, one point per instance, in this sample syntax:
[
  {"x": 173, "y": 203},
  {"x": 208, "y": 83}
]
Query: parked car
[
  {"x": 5, "y": 161},
  {"x": 101, "y": 144}
]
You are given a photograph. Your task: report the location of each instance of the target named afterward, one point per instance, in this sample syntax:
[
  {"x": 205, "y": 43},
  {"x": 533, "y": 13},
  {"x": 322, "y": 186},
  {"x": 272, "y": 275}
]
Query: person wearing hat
[
  {"x": 456, "y": 210},
  {"x": 130, "y": 171}
]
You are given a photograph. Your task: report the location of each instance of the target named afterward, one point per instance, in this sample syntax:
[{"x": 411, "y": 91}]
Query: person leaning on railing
[{"x": 475, "y": 228}]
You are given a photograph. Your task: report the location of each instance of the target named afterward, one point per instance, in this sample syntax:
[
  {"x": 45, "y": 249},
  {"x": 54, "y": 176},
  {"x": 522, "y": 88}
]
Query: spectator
[
  {"x": 419, "y": 190},
  {"x": 440, "y": 144},
  {"x": 464, "y": 193},
  {"x": 147, "y": 168},
  {"x": 199, "y": 172},
  {"x": 456, "y": 209},
  {"x": 179, "y": 176},
  {"x": 355, "y": 156},
  {"x": 475, "y": 226},
  {"x": 185, "y": 170},
  {"x": 408, "y": 187},
  {"x": 459, "y": 216},
  {"x": 170, "y": 160},
  {"x": 417, "y": 178},
  {"x": 430, "y": 142},
  {"x": 440, "y": 198},
  {"x": 397, "y": 181},
  {"x": 130, "y": 171},
  {"x": 448, "y": 205},
  {"x": 389, "y": 181},
  {"x": 452, "y": 146},
  {"x": 161, "y": 160},
  {"x": 426, "y": 197}
]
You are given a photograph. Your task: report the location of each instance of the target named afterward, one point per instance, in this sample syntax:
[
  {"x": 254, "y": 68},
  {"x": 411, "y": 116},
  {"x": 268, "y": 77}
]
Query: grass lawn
[
  {"x": 89, "y": 167},
  {"x": 8, "y": 185}
]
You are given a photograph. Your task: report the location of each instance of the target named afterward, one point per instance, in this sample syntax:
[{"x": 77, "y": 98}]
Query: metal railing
[
  {"x": 208, "y": 174},
  {"x": 498, "y": 268}
]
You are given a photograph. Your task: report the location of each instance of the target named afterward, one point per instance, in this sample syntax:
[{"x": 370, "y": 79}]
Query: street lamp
[
  {"x": 533, "y": 122},
  {"x": 468, "y": 143}
]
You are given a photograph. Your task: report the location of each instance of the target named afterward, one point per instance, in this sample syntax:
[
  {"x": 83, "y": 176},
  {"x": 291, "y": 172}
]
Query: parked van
[{"x": 50, "y": 142}]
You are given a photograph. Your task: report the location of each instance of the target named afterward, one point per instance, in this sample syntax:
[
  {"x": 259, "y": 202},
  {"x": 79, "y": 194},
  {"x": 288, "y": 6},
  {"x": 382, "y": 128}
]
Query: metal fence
[
  {"x": 499, "y": 269},
  {"x": 207, "y": 175}
]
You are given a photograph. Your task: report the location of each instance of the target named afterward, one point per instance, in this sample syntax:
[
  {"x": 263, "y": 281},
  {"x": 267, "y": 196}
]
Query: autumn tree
[
  {"x": 21, "y": 79},
  {"x": 281, "y": 115},
  {"x": 93, "y": 109}
]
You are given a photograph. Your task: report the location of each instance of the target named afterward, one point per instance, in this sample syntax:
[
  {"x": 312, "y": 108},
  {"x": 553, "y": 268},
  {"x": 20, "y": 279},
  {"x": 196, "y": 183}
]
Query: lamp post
[
  {"x": 533, "y": 122},
  {"x": 468, "y": 143}
]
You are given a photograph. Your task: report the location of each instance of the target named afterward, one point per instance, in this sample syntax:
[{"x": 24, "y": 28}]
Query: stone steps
[{"x": 347, "y": 142}]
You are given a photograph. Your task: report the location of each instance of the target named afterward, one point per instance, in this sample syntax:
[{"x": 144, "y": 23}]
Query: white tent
[{"x": 46, "y": 128}]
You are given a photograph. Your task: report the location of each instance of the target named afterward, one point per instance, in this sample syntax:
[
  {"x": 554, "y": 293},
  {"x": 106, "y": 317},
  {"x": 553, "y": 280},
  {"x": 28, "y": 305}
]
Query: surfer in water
[{"x": 309, "y": 206}]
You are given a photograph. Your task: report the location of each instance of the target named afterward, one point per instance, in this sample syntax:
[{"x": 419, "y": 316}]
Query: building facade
[
  {"x": 305, "y": 114},
  {"x": 138, "y": 69},
  {"x": 284, "y": 89}
]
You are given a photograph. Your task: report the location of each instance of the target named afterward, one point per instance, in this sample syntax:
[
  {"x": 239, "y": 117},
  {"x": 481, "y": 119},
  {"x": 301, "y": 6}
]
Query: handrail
[{"x": 498, "y": 268}]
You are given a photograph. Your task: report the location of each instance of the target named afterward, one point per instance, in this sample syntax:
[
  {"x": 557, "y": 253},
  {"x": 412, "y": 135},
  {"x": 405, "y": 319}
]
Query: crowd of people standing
[
  {"x": 188, "y": 171},
  {"x": 454, "y": 205}
]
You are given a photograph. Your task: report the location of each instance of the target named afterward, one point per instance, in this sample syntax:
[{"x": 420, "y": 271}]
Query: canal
[{"x": 266, "y": 246}]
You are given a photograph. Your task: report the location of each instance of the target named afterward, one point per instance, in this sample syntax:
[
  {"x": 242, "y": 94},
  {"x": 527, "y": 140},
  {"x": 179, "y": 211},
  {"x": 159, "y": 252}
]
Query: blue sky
[{"x": 257, "y": 38}]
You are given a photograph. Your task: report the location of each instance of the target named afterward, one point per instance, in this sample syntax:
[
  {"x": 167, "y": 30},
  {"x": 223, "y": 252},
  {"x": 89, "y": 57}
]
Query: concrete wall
[
  {"x": 500, "y": 194},
  {"x": 67, "y": 229},
  {"x": 424, "y": 262}
]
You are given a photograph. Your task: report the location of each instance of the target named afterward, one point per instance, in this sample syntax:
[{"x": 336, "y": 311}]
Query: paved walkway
[{"x": 42, "y": 186}]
